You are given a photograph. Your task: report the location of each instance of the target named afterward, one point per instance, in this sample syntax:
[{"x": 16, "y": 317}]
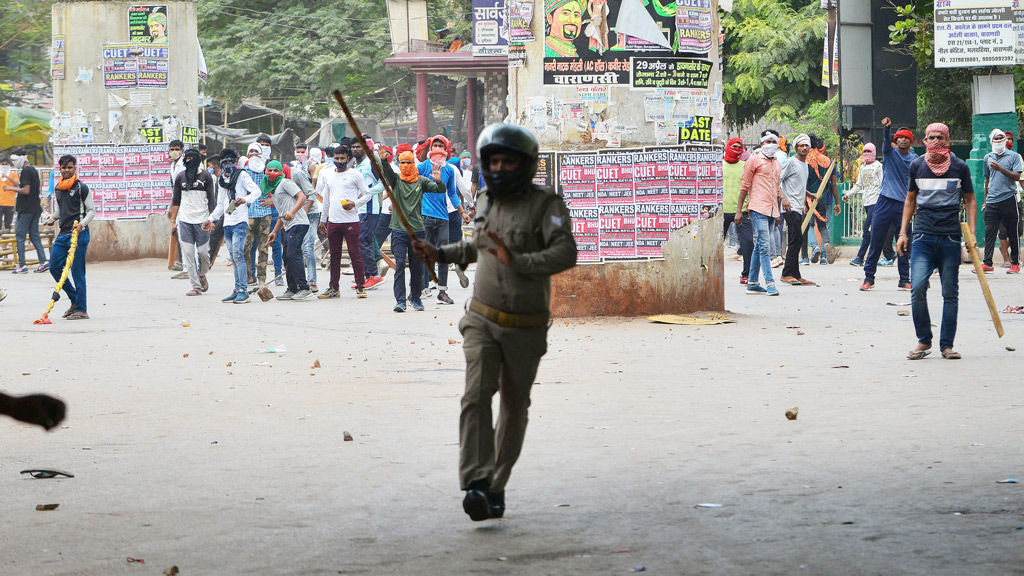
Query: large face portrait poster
[
  {"x": 593, "y": 41},
  {"x": 147, "y": 24}
]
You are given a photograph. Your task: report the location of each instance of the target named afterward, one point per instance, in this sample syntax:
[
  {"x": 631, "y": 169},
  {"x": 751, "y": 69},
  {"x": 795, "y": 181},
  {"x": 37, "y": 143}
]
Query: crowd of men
[
  {"x": 330, "y": 201},
  {"x": 917, "y": 198}
]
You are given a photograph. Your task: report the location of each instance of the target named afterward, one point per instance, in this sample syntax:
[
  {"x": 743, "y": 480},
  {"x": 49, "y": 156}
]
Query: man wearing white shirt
[
  {"x": 193, "y": 199},
  {"x": 235, "y": 191},
  {"x": 343, "y": 191}
]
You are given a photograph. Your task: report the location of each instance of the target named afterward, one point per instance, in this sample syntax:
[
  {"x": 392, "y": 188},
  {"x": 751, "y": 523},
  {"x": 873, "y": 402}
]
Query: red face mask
[{"x": 273, "y": 174}]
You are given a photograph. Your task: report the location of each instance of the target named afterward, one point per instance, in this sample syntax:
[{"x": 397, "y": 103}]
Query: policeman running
[{"x": 522, "y": 235}]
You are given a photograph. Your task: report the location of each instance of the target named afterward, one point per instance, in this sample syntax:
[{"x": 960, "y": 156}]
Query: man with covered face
[
  {"x": 522, "y": 236},
  {"x": 194, "y": 197}
]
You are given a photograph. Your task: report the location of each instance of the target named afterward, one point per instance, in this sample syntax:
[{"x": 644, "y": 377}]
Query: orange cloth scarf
[{"x": 67, "y": 183}]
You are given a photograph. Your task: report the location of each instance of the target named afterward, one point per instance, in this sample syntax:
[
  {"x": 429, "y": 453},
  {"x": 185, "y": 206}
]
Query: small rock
[
  {"x": 799, "y": 333},
  {"x": 170, "y": 571},
  {"x": 185, "y": 355},
  {"x": 902, "y": 313},
  {"x": 229, "y": 364},
  {"x": 792, "y": 412},
  {"x": 1010, "y": 349},
  {"x": 46, "y": 507},
  {"x": 347, "y": 436},
  {"x": 316, "y": 364}
]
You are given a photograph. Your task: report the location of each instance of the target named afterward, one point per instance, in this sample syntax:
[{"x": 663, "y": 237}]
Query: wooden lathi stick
[{"x": 969, "y": 238}]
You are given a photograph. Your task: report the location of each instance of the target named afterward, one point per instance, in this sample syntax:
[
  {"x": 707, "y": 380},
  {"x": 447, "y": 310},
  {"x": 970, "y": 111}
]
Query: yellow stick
[
  {"x": 814, "y": 205},
  {"x": 45, "y": 318},
  {"x": 981, "y": 278}
]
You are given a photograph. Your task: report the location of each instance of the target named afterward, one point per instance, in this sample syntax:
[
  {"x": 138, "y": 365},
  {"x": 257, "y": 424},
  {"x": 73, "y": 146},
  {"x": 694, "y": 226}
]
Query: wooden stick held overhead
[
  {"x": 378, "y": 172},
  {"x": 969, "y": 238},
  {"x": 814, "y": 205}
]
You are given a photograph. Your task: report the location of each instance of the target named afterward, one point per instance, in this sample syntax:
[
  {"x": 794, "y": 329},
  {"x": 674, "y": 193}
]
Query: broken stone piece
[
  {"x": 347, "y": 436},
  {"x": 792, "y": 412}
]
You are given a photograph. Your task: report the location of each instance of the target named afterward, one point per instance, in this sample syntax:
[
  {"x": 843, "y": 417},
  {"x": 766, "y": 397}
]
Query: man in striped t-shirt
[{"x": 939, "y": 183}]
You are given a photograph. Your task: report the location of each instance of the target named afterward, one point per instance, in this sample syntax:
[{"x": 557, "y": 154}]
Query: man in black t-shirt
[
  {"x": 28, "y": 208},
  {"x": 939, "y": 183}
]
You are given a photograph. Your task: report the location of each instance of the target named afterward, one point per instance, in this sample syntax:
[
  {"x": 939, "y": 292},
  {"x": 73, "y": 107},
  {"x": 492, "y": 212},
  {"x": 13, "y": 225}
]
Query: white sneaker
[
  {"x": 425, "y": 293},
  {"x": 287, "y": 295},
  {"x": 382, "y": 269},
  {"x": 302, "y": 295}
]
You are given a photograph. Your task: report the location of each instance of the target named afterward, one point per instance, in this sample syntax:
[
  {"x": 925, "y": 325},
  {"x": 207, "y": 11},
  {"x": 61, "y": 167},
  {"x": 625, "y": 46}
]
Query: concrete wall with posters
[
  {"x": 581, "y": 86},
  {"x": 97, "y": 99}
]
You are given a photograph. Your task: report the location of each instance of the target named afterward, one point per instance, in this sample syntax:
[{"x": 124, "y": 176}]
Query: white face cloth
[
  {"x": 18, "y": 161},
  {"x": 999, "y": 147},
  {"x": 256, "y": 164},
  {"x": 5, "y": 170},
  {"x": 265, "y": 153},
  {"x": 769, "y": 149}
]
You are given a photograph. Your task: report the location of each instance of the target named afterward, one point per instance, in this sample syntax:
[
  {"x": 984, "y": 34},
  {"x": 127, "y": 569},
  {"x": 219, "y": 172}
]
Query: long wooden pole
[
  {"x": 969, "y": 238},
  {"x": 814, "y": 205},
  {"x": 395, "y": 207}
]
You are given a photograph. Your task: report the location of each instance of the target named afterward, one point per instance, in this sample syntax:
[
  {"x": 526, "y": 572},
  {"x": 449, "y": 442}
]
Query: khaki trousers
[
  {"x": 259, "y": 233},
  {"x": 501, "y": 360}
]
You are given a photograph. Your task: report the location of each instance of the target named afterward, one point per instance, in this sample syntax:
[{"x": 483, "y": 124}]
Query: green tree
[
  {"x": 772, "y": 59},
  {"x": 293, "y": 54},
  {"x": 24, "y": 39}
]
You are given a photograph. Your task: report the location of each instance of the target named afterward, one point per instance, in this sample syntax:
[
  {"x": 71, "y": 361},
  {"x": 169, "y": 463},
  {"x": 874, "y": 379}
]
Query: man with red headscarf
[
  {"x": 435, "y": 209},
  {"x": 897, "y": 157},
  {"x": 732, "y": 172},
  {"x": 940, "y": 183}
]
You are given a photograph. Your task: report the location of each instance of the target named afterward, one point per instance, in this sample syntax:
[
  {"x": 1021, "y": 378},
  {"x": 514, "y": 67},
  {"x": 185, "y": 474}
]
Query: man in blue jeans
[
  {"x": 939, "y": 183},
  {"x": 891, "y": 204},
  {"x": 760, "y": 180},
  {"x": 435, "y": 209},
  {"x": 75, "y": 210},
  {"x": 235, "y": 192}
]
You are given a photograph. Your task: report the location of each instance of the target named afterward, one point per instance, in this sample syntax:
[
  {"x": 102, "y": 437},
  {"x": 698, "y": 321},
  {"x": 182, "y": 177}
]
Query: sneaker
[
  {"x": 360, "y": 293},
  {"x": 302, "y": 295},
  {"x": 442, "y": 298},
  {"x": 772, "y": 290},
  {"x": 858, "y": 261},
  {"x": 987, "y": 268},
  {"x": 382, "y": 268},
  {"x": 883, "y": 261},
  {"x": 279, "y": 282},
  {"x": 400, "y": 306},
  {"x": 744, "y": 280},
  {"x": 804, "y": 261},
  {"x": 20, "y": 270},
  {"x": 756, "y": 289},
  {"x": 42, "y": 267},
  {"x": 815, "y": 256},
  {"x": 230, "y": 298},
  {"x": 778, "y": 262},
  {"x": 903, "y": 285},
  {"x": 347, "y": 271},
  {"x": 1014, "y": 269},
  {"x": 372, "y": 282},
  {"x": 463, "y": 279},
  {"x": 417, "y": 305},
  {"x": 824, "y": 262},
  {"x": 425, "y": 293},
  {"x": 251, "y": 283},
  {"x": 242, "y": 298},
  {"x": 866, "y": 286},
  {"x": 288, "y": 295},
  {"x": 329, "y": 293}
]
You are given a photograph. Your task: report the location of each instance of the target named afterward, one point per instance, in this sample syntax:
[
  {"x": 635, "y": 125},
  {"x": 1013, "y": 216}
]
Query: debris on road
[
  {"x": 708, "y": 506},
  {"x": 316, "y": 364},
  {"x": 347, "y": 436},
  {"x": 171, "y": 571},
  {"x": 1007, "y": 481},
  {"x": 792, "y": 413},
  {"x": 46, "y": 507}
]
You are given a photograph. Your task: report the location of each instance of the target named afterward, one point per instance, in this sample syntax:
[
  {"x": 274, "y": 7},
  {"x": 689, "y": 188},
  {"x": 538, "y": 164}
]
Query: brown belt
[{"x": 506, "y": 320}]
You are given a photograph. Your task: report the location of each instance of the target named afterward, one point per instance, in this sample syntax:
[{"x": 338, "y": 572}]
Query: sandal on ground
[
  {"x": 950, "y": 354},
  {"x": 204, "y": 285},
  {"x": 68, "y": 312},
  {"x": 79, "y": 316},
  {"x": 918, "y": 354},
  {"x": 194, "y": 292},
  {"x": 802, "y": 282}
]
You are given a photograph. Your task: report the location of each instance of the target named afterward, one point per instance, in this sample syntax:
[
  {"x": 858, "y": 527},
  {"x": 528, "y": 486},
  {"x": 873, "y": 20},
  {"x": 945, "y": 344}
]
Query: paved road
[{"x": 891, "y": 468}]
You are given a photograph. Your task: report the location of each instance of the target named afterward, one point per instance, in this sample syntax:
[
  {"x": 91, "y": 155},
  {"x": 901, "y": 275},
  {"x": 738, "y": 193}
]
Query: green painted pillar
[{"x": 982, "y": 126}]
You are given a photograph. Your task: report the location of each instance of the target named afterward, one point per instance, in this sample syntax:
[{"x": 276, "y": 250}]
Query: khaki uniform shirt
[{"x": 536, "y": 229}]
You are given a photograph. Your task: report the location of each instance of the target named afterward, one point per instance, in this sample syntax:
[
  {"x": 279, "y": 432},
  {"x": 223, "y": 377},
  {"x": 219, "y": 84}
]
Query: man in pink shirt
[{"x": 761, "y": 181}]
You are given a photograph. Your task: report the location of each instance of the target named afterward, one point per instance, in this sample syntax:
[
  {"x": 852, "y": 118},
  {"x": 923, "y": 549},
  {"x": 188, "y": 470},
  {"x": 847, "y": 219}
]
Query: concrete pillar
[
  {"x": 422, "y": 106},
  {"x": 472, "y": 130}
]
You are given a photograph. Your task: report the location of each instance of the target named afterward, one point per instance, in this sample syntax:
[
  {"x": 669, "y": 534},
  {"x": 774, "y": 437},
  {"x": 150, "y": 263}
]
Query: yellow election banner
[{"x": 696, "y": 130}]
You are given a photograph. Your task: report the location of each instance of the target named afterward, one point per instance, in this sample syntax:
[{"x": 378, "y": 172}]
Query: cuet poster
[
  {"x": 153, "y": 66},
  {"x": 666, "y": 188},
  {"x": 490, "y": 28},
  {"x": 126, "y": 181},
  {"x": 147, "y": 24},
  {"x": 57, "y": 57},
  {"x": 693, "y": 25},
  {"x": 592, "y": 41},
  {"x": 120, "y": 66},
  {"x": 520, "y": 14}
]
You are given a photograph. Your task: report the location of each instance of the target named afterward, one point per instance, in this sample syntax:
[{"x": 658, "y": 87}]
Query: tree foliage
[
  {"x": 772, "y": 59},
  {"x": 293, "y": 54},
  {"x": 24, "y": 38}
]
